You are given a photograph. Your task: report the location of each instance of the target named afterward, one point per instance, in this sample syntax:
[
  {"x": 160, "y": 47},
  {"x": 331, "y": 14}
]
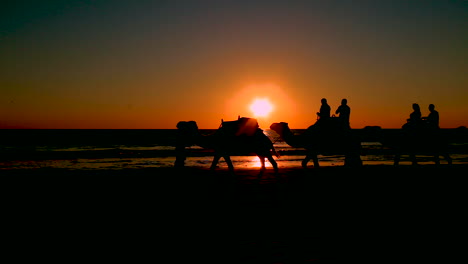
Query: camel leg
[
  {"x": 229, "y": 163},
  {"x": 273, "y": 163},
  {"x": 262, "y": 168},
  {"x": 436, "y": 159},
  {"x": 179, "y": 162},
  {"x": 306, "y": 160},
  {"x": 447, "y": 158},
  {"x": 356, "y": 160},
  {"x": 443, "y": 152},
  {"x": 180, "y": 157},
  {"x": 316, "y": 162},
  {"x": 215, "y": 162},
  {"x": 396, "y": 159}
]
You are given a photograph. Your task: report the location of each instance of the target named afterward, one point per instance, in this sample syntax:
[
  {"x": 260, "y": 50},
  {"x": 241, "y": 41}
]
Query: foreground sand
[{"x": 321, "y": 215}]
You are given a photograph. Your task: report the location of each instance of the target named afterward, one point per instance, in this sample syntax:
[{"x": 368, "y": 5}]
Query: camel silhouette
[
  {"x": 241, "y": 137},
  {"x": 421, "y": 140},
  {"x": 329, "y": 139}
]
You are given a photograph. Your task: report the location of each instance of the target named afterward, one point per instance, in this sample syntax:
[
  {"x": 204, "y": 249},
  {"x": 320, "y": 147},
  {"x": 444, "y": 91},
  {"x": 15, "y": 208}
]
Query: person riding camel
[
  {"x": 432, "y": 120},
  {"x": 344, "y": 112},
  {"x": 414, "y": 121},
  {"x": 325, "y": 110}
]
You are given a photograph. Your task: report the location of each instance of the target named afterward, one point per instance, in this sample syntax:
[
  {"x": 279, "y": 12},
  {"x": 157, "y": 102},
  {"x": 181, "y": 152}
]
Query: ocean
[{"x": 114, "y": 149}]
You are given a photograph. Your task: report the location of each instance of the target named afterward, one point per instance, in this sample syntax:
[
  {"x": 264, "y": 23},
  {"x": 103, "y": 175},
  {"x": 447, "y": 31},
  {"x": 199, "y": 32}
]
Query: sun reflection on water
[{"x": 254, "y": 162}]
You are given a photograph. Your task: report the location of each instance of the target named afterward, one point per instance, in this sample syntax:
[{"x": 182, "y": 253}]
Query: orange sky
[{"x": 117, "y": 64}]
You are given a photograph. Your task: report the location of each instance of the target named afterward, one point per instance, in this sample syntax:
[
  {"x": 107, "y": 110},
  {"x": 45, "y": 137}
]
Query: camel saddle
[{"x": 243, "y": 126}]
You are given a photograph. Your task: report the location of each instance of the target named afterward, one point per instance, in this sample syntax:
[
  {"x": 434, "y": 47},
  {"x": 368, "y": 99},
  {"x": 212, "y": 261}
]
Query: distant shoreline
[{"x": 28, "y": 137}]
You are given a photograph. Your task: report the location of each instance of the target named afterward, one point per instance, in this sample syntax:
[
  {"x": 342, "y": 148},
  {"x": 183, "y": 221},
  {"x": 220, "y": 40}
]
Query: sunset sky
[{"x": 150, "y": 64}]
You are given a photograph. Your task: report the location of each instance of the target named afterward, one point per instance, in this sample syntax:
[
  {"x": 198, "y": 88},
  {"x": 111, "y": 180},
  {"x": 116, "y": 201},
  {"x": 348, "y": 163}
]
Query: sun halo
[{"x": 261, "y": 107}]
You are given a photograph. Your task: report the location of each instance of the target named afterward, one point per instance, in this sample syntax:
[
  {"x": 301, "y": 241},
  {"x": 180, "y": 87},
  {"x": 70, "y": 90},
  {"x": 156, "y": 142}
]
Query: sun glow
[
  {"x": 255, "y": 163},
  {"x": 261, "y": 107},
  {"x": 266, "y": 102}
]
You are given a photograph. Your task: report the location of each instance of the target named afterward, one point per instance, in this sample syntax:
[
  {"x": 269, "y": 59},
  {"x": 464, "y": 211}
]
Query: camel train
[{"x": 244, "y": 137}]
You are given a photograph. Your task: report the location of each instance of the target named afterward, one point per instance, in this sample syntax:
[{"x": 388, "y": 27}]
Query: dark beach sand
[{"x": 168, "y": 215}]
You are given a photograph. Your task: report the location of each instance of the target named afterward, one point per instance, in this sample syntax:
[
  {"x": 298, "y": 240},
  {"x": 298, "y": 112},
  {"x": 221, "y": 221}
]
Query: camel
[
  {"x": 412, "y": 141},
  {"x": 323, "y": 138},
  {"x": 239, "y": 137}
]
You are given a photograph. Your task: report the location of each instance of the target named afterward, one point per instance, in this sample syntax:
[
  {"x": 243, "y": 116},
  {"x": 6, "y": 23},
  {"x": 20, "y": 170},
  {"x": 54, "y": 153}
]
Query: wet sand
[{"x": 319, "y": 215}]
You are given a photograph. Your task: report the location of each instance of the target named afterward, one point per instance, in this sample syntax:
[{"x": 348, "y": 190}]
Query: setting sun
[{"x": 261, "y": 107}]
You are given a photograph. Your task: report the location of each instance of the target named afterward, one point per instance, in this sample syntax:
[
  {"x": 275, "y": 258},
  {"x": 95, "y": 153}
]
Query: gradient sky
[{"x": 150, "y": 64}]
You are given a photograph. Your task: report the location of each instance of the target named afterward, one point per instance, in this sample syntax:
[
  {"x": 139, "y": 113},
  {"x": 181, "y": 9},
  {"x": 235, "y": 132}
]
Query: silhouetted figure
[
  {"x": 432, "y": 120},
  {"x": 344, "y": 112},
  {"x": 415, "y": 116},
  {"x": 419, "y": 137},
  {"x": 414, "y": 121},
  {"x": 325, "y": 110}
]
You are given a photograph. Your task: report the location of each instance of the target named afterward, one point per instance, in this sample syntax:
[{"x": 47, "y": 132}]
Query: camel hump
[{"x": 243, "y": 126}]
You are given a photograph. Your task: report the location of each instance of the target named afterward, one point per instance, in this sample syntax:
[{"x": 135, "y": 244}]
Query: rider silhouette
[
  {"x": 432, "y": 120},
  {"x": 323, "y": 124},
  {"x": 325, "y": 110},
  {"x": 344, "y": 112},
  {"x": 414, "y": 120}
]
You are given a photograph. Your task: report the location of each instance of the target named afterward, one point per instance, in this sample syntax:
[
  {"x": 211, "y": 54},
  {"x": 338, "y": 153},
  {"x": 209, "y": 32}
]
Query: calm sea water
[{"x": 133, "y": 149}]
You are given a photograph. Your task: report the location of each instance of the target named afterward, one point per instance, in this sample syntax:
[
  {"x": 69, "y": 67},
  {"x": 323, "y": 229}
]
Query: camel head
[
  {"x": 187, "y": 125},
  {"x": 188, "y": 131},
  {"x": 280, "y": 127}
]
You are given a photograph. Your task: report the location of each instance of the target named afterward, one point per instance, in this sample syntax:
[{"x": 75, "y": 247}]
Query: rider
[
  {"x": 432, "y": 120},
  {"x": 414, "y": 119},
  {"x": 344, "y": 111},
  {"x": 325, "y": 110}
]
